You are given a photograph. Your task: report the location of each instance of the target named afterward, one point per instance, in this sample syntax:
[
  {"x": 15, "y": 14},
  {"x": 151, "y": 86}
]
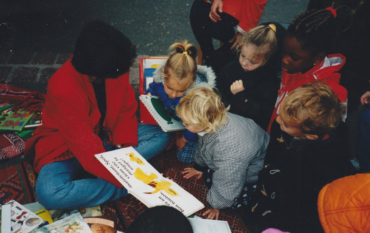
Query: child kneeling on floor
[
  {"x": 308, "y": 149},
  {"x": 230, "y": 151}
]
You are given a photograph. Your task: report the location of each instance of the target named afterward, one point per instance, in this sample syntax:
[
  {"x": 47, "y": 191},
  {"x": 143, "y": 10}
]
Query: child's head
[
  {"x": 202, "y": 110},
  {"x": 102, "y": 51},
  {"x": 160, "y": 219},
  {"x": 180, "y": 69},
  {"x": 309, "y": 111},
  {"x": 308, "y": 39},
  {"x": 257, "y": 46}
]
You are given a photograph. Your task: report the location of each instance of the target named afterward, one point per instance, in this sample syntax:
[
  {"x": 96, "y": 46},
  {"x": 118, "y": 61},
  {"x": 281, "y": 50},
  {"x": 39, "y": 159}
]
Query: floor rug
[
  {"x": 168, "y": 164},
  {"x": 17, "y": 182}
]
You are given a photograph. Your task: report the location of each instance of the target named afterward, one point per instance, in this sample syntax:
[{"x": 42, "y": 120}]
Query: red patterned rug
[
  {"x": 18, "y": 183},
  {"x": 168, "y": 164}
]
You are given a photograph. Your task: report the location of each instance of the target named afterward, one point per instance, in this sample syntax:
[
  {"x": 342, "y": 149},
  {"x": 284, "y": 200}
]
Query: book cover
[
  {"x": 85, "y": 212},
  {"x": 145, "y": 183},
  {"x": 22, "y": 219},
  {"x": 73, "y": 223},
  {"x": 101, "y": 224},
  {"x": 156, "y": 108},
  {"x": 14, "y": 121}
]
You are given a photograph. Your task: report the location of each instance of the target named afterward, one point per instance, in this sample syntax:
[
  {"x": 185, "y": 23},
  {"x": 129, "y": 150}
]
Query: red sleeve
[
  {"x": 125, "y": 128},
  {"x": 71, "y": 111},
  {"x": 251, "y": 14}
]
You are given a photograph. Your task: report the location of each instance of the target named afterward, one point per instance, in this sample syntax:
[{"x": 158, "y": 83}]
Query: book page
[
  {"x": 129, "y": 167},
  {"x": 163, "y": 191},
  {"x": 209, "y": 226},
  {"x": 156, "y": 108}
]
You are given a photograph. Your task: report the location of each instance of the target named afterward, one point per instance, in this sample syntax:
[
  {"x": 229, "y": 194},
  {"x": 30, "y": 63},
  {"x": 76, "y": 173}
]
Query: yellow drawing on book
[
  {"x": 140, "y": 175},
  {"x": 163, "y": 185},
  {"x": 135, "y": 159}
]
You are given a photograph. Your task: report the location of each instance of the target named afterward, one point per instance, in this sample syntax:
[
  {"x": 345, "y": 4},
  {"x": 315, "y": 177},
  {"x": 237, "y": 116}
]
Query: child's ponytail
[
  {"x": 316, "y": 30},
  {"x": 182, "y": 61},
  {"x": 263, "y": 37}
]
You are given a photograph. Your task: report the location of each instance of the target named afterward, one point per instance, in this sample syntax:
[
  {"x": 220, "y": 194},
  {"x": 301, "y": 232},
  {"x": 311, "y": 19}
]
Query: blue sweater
[{"x": 170, "y": 104}]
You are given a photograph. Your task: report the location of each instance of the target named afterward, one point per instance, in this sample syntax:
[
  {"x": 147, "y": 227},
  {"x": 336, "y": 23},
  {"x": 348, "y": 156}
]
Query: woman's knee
[{"x": 51, "y": 195}]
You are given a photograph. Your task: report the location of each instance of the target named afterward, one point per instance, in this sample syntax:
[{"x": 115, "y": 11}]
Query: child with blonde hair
[
  {"x": 308, "y": 149},
  {"x": 249, "y": 83},
  {"x": 173, "y": 80},
  {"x": 230, "y": 151}
]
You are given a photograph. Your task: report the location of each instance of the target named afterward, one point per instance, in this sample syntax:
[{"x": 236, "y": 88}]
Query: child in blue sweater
[{"x": 173, "y": 80}]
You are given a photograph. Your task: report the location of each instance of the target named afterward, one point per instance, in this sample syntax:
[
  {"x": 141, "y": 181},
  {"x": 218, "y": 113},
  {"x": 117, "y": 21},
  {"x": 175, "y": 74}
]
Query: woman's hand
[
  {"x": 216, "y": 5},
  {"x": 190, "y": 172},
  {"x": 149, "y": 94},
  {"x": 181, "y": 142},
  {"x": 237, "y": 86},
  {"x": 237, "y": 38},
  {"x": 365, "y": 98},
  {"x": 212, "y": 213}
]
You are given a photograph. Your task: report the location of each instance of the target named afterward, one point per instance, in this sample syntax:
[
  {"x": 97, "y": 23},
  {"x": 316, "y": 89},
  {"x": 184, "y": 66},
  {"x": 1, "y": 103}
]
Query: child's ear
[
  {"x": 319, "y": 58},
  {"x": 311, "y": 136}
]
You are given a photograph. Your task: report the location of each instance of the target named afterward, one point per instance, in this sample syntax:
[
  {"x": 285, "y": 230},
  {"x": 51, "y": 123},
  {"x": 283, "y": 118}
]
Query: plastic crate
[{"x": 145, "y": 64}]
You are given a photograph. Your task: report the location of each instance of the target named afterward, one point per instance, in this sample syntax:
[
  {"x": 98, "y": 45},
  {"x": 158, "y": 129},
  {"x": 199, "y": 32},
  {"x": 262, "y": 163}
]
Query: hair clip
[
  {"x": 332, "y": 11},
  {"x": 185, "y": 52},
  {"x": 273, "y": 27}
]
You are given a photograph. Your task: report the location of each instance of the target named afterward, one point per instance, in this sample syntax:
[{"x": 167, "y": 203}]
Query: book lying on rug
[
  {"x": 14, "y": 121},
  {"x": 209, "y": 226},
  {"x": 73, "y": 223},
  {"x": 156, "y": 108},
  {"x": 22, "y": 219},
  {"x": 101, "y": 224},
  {"x": 85, "y": 212},
  {"x": 145, "y": 183},
  {"x": 40, "y": 211}
]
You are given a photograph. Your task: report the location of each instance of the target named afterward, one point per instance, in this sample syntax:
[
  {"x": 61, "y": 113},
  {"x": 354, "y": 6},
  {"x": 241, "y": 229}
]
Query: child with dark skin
[{"x": 305, "y": 58}]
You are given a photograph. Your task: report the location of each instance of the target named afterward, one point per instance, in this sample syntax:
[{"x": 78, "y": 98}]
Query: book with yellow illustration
[{"x": 145, "y": 183}]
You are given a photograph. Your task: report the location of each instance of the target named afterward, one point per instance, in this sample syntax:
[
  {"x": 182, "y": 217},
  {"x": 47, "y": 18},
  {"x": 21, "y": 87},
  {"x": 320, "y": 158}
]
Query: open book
[
  {"x": 145, "y": 183},
  {"x": 156, "y": 108}
]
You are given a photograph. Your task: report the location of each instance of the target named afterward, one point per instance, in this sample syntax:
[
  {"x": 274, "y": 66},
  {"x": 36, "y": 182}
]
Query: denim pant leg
[
  {"x": 152, "y": 140},
  {"x": 363, "y": 140},
  {"x": 57, "y": 189}
]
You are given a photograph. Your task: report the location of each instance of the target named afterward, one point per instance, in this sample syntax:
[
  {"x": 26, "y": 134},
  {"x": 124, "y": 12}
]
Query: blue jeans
[
  {"x": 363, "y": 140},
  {"x": 57, "y": 189}
]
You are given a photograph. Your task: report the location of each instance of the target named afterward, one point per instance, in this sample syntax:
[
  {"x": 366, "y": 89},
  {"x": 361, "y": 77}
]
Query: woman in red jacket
[{"x": 89, "y": 105}]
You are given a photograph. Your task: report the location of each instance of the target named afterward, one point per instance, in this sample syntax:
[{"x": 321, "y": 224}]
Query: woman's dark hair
[
  {"x": 160, "y": 219},
  {"x": 102, "y": 51},
  {"x": 316, "y": 30}
]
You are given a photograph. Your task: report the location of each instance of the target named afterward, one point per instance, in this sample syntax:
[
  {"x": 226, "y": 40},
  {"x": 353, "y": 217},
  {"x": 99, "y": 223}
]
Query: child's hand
[
  {"x": 149, "y": 94},
  {"x": 365, "y": 98},
  {"x": 181, "y": 142},
  {"x": 216, "y": 5},
  {"x": 190, "y": 172},
  {"x": 212, "y": 213},
  {"x": 236, "y": 87}
]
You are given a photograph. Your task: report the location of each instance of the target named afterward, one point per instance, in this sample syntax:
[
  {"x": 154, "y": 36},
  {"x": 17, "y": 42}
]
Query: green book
[{"x": 14, "y": 121}]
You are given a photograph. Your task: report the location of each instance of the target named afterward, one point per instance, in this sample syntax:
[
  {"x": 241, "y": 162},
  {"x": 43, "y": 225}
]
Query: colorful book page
[{"x": 14, "y": 121}]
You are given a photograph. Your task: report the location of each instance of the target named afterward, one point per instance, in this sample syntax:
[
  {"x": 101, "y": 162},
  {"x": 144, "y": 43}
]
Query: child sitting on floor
[
  {"x": 249, "y": 83},
  {"x": 230, "y": 151},
  {"x": 173, "y": 80},
  {"x": 308, "y": 39},
  {"x": 308, "y": 149}
]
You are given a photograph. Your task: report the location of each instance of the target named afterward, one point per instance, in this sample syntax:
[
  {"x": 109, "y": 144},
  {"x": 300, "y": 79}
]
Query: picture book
[
  {"x": 40, "y": 211},
  {"x": 22, "y": 219},
  {"x": 85, "y": 212},
  {"x": 34, "y": 122},
  {"x": 73, "y": 223},
  {"x": 101, "y": 224},
  {"x": 148, "y": 77},
  {"x": 156, "y": 108},
  {"x": 209, "y": 226},
  {"x": 145, "y": 183},
  {"x": 14, "y": 121}
]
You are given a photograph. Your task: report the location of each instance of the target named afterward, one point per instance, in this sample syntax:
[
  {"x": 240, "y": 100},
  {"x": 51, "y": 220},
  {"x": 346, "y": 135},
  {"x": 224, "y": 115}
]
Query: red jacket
[
  {"x": 247, "y": 12},
  {"x": 344, "y": 205},
  {"x": 70, "y": 114},
  {"x": 326, "y": 71}
]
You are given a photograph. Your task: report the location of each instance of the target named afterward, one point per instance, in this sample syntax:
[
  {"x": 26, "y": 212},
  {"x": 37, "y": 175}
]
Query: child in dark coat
[
  {"x": 307, "y": 150},
  {"x": 249, "y": 83}
]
